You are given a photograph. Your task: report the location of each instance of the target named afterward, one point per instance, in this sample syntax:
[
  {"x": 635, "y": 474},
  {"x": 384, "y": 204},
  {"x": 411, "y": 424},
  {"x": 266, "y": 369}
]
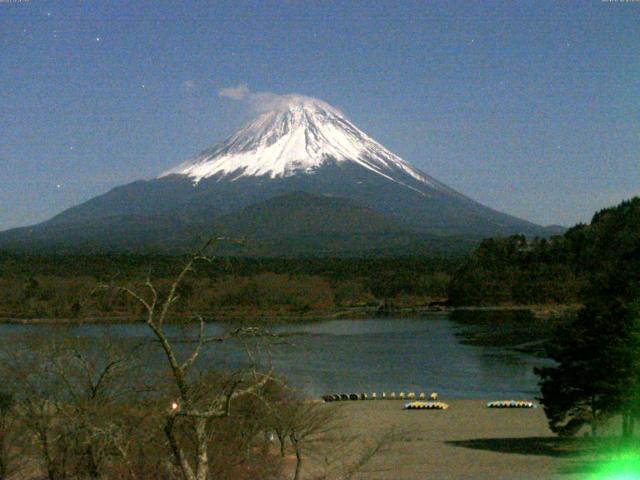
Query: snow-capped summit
[
  {"x": 299, "y": 178},
  {"x": 298, "y": 135}
]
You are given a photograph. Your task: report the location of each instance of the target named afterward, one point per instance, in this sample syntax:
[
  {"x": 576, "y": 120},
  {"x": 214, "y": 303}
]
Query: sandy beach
[{"x": 467, "y": 441}]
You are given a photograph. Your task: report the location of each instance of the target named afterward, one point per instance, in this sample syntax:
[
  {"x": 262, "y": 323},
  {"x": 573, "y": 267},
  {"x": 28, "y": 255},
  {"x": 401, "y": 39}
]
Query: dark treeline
[
  {"x": 62, "y": 286},
  {"x": 132, "y": 265},
  {"x": 597, "y": 351},
  {"x": 564, "y": 269}
]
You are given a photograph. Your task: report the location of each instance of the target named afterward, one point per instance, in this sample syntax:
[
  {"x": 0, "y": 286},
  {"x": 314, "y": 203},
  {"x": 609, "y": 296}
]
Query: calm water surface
[{"x": 382, "y": 354}]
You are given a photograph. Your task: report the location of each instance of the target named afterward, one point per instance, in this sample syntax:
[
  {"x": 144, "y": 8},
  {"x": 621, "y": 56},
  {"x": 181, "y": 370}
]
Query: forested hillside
[{"x": 563, "y": 269}]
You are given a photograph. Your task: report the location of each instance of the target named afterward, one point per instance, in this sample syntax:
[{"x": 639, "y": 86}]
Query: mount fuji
[{"x": 301, "y": 178}]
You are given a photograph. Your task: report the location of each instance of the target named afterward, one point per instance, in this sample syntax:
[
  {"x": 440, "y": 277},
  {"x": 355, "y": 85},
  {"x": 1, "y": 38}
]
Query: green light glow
[{"x": 621, "y": 466}]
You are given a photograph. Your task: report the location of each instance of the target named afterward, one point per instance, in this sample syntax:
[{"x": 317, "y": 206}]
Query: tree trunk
[
  {"x": 186, "y": 469},
  {"x": 628, "y": 424},
  {"x": 203, "y": 458},
  {"x": 294, "y": 441},
  {"x": 3, "y": 456},
  {"x": 266, "y": 443},
  {"x": 92, "y": 466},
  {"x": 282, "y": 440},
  {"x": 51, "y": 472}
]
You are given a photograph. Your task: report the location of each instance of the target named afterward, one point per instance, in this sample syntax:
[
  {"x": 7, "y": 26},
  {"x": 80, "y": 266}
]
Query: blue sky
[{"x": 532, "y": 108}]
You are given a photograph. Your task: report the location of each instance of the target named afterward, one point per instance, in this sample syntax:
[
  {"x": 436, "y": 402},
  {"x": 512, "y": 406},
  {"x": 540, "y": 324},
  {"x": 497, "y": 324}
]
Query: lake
[{"x": 464, "y": 355}]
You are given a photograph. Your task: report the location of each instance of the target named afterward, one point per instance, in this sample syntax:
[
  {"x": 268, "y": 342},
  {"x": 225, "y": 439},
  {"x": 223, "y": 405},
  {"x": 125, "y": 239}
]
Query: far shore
[{"x": 271, "y": 317}]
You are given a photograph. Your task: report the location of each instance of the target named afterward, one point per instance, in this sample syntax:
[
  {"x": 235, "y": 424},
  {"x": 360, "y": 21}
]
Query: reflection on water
[
  {"x": 386, "y": 354},
  {"x": 518, "y": 330}
]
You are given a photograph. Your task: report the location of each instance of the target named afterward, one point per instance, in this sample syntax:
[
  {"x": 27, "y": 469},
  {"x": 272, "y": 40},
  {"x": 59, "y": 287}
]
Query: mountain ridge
[{"x": 304, "y": 146}]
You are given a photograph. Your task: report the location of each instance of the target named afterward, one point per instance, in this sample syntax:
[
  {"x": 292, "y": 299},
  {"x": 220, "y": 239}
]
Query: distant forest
[
  {"x": 500, "y": 271},
  {"x": 564, "y": 269},
  {"x": 64, "y": 286}
]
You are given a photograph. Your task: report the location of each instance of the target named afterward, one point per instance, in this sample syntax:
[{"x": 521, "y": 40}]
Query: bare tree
[
  {"x": 345, "y": 457},
  {"x": 313, "y": 430},
  {"x": 93, "y": 380},
  {"x": 307, "y": 422},
  {"x": 67, "y": 393},
  {"x": 296, "y": 420},
  {"x": 94, "y": 409},
  {"x": 10, "y": 458},
  {"x": 190, "y": 405},
  {"x": 27, "y": 370}
]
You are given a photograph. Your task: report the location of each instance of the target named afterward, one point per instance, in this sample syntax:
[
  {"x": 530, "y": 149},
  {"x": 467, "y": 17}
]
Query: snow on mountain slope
[
  {"x": 302, "y": 174},
  {"x": 298, "y": 137}
]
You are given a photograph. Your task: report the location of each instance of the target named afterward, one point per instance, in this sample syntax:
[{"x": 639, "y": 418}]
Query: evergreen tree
[{"x": 589, "y": 381}]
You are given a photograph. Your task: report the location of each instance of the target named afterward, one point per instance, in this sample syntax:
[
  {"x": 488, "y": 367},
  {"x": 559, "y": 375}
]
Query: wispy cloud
[
  {"x": 239, "y": 92},
  {"x": 266, "y": 101},
  {"x": 188, "y": 85}
]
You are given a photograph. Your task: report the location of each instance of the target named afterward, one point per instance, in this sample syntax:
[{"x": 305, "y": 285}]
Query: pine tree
[{"x": 595, "y": 372}]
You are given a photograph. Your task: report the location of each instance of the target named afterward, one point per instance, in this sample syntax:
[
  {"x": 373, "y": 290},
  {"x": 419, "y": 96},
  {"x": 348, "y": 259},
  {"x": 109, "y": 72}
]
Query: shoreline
[{"x": 353, "y": 313}]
